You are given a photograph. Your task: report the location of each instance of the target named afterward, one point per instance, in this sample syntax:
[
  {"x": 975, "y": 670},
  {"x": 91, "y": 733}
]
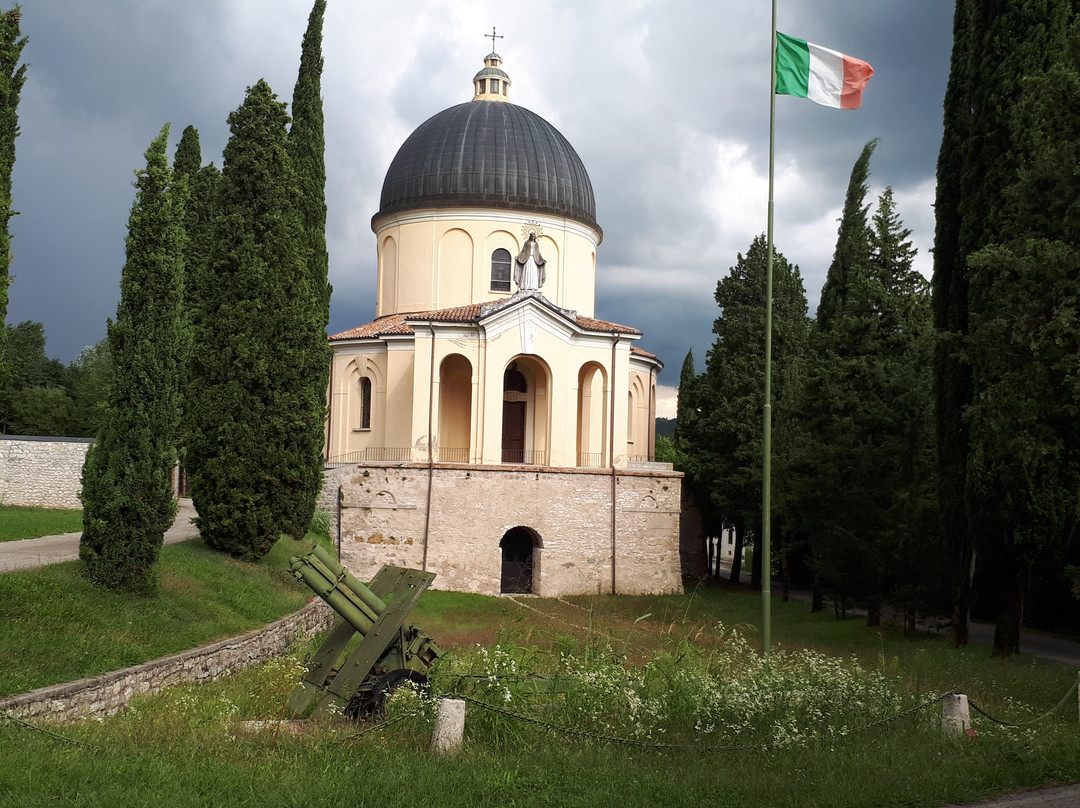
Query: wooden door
[{"x": 513, "y": 431}]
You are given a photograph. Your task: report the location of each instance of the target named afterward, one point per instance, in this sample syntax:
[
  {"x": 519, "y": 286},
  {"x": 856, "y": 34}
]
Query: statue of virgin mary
[{"x": 529, "y": 266}]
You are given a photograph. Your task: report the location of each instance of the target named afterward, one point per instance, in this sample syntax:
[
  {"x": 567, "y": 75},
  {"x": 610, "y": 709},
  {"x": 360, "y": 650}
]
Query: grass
[
  {"x": 182, "y": 746},
  {"x": 57, "y": 627},
  {"x": 20, "y": 522}
]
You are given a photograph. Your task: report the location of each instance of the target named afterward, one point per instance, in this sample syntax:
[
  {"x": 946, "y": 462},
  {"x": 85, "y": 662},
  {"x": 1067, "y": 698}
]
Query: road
[{"x": 29, "y": 554}]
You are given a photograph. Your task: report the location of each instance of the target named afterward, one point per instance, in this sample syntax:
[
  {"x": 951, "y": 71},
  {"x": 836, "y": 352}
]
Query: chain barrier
[
  {"x": 6, "y": 716},
  {"x": 1061, "y": 703}
]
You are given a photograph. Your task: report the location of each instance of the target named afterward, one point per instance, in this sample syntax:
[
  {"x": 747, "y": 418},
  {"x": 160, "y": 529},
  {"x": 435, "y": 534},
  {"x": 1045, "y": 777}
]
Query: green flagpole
[{"x": 766, "y": 440}]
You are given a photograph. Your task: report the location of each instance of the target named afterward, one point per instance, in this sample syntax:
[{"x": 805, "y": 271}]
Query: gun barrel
[
  {"x": 344, "y": 594},
  {"x": 373, "y": 601}
]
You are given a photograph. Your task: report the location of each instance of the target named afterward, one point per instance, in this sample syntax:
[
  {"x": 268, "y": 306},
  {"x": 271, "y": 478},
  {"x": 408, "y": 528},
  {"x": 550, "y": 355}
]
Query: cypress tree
[
  {"x": 729, "y": 438},
  {"x": 997, "y": 46},
  {"x": 1023, "y": 472},
  {"x": 248, "y": 391},
  {"x": 200, "y": 184},
  {"x": 852, "y": 253},
  {"x": 12, "y": 77},
  {"x": 127, "y": 496},
  {"x": 866, "y": 403},
  {"x": 306, "y": 151},
  {"x": 952, "y": 375}
]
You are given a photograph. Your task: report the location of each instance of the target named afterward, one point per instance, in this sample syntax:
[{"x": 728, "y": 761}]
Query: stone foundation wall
[
  {"x": 42, "y": 472},
  {"x": 109, "y": 693},
  {"x": 568, "y": 511}
]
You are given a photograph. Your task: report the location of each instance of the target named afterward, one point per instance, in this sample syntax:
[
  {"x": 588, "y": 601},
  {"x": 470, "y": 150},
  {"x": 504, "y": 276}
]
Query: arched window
[
  {"x": 365, "y": 403},
  {"x": 500, "y": 270}
]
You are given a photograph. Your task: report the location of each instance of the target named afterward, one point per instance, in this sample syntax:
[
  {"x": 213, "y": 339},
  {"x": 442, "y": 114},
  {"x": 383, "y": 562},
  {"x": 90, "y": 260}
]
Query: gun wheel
[{"x": 371, "y": 703}]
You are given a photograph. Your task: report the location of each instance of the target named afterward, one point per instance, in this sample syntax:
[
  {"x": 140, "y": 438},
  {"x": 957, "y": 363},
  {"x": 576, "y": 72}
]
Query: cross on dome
[{"x": 492, "y": 83}]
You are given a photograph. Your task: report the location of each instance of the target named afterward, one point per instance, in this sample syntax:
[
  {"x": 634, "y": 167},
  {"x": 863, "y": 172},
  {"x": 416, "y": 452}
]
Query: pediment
[{"x": 530, "y": 312}]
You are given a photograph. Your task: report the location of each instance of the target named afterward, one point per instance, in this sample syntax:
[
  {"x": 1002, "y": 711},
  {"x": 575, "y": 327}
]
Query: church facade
[{"x": 485, "y": 426}]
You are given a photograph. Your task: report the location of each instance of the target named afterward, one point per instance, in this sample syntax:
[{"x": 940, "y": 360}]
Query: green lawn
[
  {"x": 183, "y": 746},
  {"x": 56, "y": 627},
  {"x": 19, "y": 522}
]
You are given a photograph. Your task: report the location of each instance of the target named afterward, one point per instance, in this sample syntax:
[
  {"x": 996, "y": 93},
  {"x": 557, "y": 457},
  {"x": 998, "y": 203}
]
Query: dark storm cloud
[{"x": 666, "y": 102}]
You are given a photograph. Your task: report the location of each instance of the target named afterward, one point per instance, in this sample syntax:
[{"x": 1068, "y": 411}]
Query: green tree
[
  {"x": 12, "y": 77},
  {"x": 200, "y": 185},
  {"x": 1023, "y": 481},
  {"x": 306, "y": 151},
  {"x": 865, "y": 406},
  {"x": 727, "y": 448},
  {"x": 34, "y": 401},
  {"x": 249, "y": 397},
  {"x": 127, "y": 496},
  {"x": 998, "y": 50},
  {"x": 89, "y": 377}
]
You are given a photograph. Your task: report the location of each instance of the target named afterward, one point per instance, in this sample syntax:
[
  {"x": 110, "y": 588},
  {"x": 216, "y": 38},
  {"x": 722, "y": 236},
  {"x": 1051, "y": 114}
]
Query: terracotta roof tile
[
  {"x": 394, "y": 324},
  {"x": 590, "y": 324},
  {"x": 399, "y": 323}
]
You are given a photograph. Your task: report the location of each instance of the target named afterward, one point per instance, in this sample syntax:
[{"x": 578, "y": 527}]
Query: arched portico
[
  {"x": 455, "y": 409},
  {"x": 592, "y": 415},
  {"x": 526, "y": 411}
]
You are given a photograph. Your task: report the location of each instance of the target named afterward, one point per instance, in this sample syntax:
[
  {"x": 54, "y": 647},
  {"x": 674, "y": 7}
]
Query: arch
[
  {"x": 636, "y": 428},
  {"x": 501, "y": 265},
  {"x": 455, "y": 268},
  {"x": 520, "y": 551},
  {"x": 526, "y": 411},
  {"x": 455, "y": 409},
  {"x": 365, "y": 385},
  {"x": 388, "y": 275},
  {"x": 592, "y": 415}
]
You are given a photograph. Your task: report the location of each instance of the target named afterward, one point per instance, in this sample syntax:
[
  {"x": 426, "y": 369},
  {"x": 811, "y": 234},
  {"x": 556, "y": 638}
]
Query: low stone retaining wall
[
  {"x": 42, "y": 472},
  {"x": 109, "y": 693}
]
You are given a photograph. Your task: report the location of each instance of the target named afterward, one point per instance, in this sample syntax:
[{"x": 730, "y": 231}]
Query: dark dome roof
[{"x": 489, "y": 154}]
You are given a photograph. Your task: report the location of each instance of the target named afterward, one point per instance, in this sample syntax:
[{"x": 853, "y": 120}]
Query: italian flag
[{"x": 822, "y": 75}]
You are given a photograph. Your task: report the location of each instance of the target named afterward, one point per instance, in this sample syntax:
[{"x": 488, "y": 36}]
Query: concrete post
[
  {"x": 955, "y": 717},
  {"x": 449, "y": 726}
]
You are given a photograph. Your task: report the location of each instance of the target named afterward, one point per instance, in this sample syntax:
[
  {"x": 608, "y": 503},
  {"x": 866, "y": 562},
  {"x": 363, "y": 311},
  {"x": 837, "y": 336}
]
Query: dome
[{"x": 492, "y": 154}]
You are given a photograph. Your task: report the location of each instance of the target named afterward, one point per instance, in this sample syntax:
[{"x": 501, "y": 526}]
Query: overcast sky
[{"x": 667, "y": 103}]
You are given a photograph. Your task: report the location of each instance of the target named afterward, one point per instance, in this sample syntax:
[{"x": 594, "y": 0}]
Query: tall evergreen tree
[
  {"x": 996, "y": 47},
  {"x": 200, "y": 186},
  {"x": 249, "y": 389},
  {"x": 852, "y": 253},
  {"x": 866, "y": 403},
  {"x": 12, "y": 77},
  {"x": 128, "y": 502},
  {"x": 1023, "y": 473},
  {"x": 728, "y": 449},
  {"x": 306, "y": 151}
]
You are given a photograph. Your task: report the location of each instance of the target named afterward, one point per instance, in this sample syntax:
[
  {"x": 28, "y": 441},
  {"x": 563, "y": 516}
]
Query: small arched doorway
[{"x": 519, "y": 557}]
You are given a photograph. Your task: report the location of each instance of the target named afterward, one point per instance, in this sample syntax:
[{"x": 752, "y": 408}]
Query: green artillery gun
[{"x": 389, "y": 652}]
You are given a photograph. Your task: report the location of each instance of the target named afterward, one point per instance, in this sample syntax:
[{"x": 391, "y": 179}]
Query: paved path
[
  {"x": 28, "y": 554},
  {"x": 1060, "y": 797}
]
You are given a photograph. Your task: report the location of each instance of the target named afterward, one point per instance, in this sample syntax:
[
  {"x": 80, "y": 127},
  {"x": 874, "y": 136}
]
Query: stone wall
[
  {"x": 385, "y": 517},
  {"x": 109, "y": 693},
  {"x": 42, "y": 472}
]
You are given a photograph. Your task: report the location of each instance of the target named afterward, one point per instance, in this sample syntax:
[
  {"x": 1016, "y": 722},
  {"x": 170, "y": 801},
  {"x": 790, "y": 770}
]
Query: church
[{"x": 485, "y": 426}]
